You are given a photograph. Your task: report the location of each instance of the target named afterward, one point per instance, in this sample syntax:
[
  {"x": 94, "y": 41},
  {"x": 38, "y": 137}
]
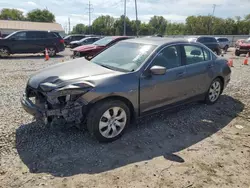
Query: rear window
[
  {"x": 207, "y": 39},
  {"x": 222, "y": 40}
]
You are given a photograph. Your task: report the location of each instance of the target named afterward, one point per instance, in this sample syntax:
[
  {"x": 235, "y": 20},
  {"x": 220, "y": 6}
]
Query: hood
[
  {"x": 85, "y": 48},
  {"x": 69, "y": 72}
]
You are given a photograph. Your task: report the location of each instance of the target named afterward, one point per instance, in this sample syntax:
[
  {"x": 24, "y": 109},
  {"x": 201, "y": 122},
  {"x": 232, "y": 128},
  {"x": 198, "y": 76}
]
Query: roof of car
[{"x": 157, "y": 40}]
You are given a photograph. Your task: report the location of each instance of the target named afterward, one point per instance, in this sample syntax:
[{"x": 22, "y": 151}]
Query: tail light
[{"x": 61, "y": 41}]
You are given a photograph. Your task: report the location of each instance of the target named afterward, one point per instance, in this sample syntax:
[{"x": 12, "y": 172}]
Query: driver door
[{"x": 160, "y": 90}]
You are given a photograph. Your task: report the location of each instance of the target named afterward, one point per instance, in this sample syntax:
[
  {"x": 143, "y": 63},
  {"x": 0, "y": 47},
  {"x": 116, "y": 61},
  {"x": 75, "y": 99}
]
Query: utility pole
[
  {"x": 90, "y": 10},
  {"x": 124, "y": 21},
  {"x": 69, "y": 25},
  {"x": 211, "y": 24},
  {"x": 136, "y": 18}
]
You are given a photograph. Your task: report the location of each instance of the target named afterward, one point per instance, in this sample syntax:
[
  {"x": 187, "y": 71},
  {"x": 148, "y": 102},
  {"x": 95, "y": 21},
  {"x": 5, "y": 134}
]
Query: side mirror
[{"x": 158, "y": 70}]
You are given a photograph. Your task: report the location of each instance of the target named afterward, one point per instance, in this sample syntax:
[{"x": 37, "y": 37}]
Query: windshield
[
  {"x": 104, "y": 41},
  {"x": 124, "y": 56}
]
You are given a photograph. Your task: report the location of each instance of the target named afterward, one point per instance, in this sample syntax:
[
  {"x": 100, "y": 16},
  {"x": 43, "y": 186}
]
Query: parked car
[
  {"x": 31, "y": 42},
  {"x": 75, "y": 37},
  {"x": 96, "y": 47},
  {"x": 128, "y": 80},
  {"x": 223, "y": 42},
  {"x": 242, "y": 47},
  {"x": 238, "y": 42},
  {"x": 84, "y": 41},
  {"x": 210, "y": 42}
]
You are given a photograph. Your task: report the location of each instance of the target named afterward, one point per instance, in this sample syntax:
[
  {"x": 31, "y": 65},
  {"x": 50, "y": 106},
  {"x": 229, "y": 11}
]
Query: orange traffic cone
[
  {"x": 46, "y": 55},
  {"x": 230, "y": 62},
  {"x": 246, "y": 60}
]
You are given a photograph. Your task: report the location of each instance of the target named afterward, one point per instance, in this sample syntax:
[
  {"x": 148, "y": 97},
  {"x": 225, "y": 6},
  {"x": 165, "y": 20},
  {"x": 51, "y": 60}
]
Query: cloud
[{"x": 31, "y": 3}]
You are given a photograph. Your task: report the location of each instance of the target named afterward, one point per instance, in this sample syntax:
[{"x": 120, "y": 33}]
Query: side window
[
  {"x": 51, "y": 35},
  {"x": 169, "y": 57},
  {"x": 194, "y": 54},
  {"x": 20, "y": 36},
  {"x": 201, "y": 40},
  {"x": 207, "y": 55}
]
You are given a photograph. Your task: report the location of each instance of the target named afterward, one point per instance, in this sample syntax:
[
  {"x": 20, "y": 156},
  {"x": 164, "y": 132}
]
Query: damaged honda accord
[{"x": 128, "y": 80}]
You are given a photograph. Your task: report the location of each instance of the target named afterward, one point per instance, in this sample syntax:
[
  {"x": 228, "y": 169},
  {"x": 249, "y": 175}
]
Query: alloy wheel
[
  {"x": 51, "y": 51},
  {"x": 214, "y": 91},
  {"x": 4, "y": 52},
  {"x": 112, "y": 122}
]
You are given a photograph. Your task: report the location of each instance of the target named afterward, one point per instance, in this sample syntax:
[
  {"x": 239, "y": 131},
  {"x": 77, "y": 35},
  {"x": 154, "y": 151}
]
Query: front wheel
[
  {"x": 214, "y": 91},
  {"x": 4, "y": 52},
  {"x": 108, "y": 120},
  {"x": 237, "y": 53}
]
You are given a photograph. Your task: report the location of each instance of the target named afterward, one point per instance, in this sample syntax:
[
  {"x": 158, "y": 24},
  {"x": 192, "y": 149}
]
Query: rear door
[
  {"x": 199, "y": 69},
  {"x": 38, "y": 41}
]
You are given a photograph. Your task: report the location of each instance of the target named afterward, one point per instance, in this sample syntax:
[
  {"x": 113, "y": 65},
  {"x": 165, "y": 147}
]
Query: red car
[
  {"x": 242, "y": 47},
  {"x": 92, "y": 49}
]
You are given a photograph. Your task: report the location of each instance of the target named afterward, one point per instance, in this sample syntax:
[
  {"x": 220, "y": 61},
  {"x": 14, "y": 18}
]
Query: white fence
[{"x": 232, "y": 38}]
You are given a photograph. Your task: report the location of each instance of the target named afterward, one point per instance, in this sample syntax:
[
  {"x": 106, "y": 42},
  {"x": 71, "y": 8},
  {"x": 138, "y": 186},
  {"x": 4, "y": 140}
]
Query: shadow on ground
[{"x": 67, "y": 152}]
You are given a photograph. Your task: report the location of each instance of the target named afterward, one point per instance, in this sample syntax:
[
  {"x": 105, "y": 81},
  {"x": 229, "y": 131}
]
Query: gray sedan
[{"x": 130, "y": 79}]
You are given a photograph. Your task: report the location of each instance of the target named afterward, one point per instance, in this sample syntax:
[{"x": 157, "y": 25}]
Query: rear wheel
[
  {"x": 214, "y": 91},
  {"x": 108, "y": 120},
  {"x": 51, "y": 51},
  {"x": 4, "y": 52},
  {"x": 237, "y": 52},
  {"x": 226, "y": 48}
]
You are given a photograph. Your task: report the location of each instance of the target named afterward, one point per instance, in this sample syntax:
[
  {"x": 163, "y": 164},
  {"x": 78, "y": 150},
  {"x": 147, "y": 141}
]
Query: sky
[{"x": 172, "y": 10}]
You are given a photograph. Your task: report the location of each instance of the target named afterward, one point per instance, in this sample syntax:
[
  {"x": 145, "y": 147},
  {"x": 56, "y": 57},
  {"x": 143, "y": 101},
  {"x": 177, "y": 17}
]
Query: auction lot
[{"x": 193, "y": 146}]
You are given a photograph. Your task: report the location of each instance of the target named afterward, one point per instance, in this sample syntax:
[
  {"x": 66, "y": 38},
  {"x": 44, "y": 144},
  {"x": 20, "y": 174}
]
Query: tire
[
  {"x": 216, "y": 83},
  {"x": 237, "y": 53},
  {"x": 4, "y": 52},
  {"x": 51, "y": 51},
  {"x": 99, "y": 117},
  {"x": 226, "y": 48}
]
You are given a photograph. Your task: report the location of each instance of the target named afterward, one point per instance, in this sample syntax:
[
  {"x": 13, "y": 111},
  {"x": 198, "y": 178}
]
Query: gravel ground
[{"x": 193, "y": 146}]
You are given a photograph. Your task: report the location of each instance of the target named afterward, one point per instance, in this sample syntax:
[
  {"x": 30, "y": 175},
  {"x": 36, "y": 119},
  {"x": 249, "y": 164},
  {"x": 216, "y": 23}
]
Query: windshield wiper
[{"x": 113, "y": 68}]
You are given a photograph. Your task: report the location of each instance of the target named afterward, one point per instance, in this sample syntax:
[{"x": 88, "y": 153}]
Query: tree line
[
  {"x": 36, "y": 15},
  {"x": 194, "y": 25},
  {"x": 108, "y": 25}
]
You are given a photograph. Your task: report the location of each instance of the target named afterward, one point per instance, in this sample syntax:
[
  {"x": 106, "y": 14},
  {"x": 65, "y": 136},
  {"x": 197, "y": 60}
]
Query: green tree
[
  {"x": 11, "y": 14},
  {"x": 119, "y": 26},
  {"x": 104, "y": 25},
  {"x": 176, "y": 29},
  {"x": 38, "y": 15},
  {"x": 80, "y": 29},
  {"x": 158, "y": 23}
]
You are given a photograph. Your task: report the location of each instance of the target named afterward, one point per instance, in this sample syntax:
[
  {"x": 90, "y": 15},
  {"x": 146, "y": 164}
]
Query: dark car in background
[
  {"x": 31, "y": 42},
  {"x": 98, "y": 46},
  {"x": 210, "y": 42},
  {"x": 223, "y": 42},
  {"x": 84, "y": 41},
  {"x": 128, "y": 80},
  {"x": 75, "y": 37},
  {"x": 242, "y": 47}
]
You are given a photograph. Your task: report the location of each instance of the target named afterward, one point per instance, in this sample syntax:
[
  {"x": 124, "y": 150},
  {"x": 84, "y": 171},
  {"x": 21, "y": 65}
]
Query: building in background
[{"x": 9, "y": 26}]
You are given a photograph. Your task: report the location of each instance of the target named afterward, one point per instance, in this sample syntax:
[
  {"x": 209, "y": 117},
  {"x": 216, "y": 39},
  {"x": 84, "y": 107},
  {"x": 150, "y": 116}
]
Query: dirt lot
[{"x": 192, "y": 146}]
